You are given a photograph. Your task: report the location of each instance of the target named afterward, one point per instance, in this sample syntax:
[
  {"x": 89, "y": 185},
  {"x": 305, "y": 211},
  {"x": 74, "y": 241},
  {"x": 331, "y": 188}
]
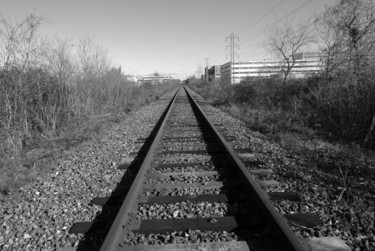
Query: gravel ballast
[
  {"x": 39, "y": 215},
  {"x": 346, "y": 204}
]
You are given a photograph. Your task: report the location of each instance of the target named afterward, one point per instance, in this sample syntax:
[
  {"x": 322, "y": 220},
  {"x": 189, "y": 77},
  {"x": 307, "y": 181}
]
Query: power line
[
  {"x": 253, "y": 36},
  {"x": 280, "y": 19},
  {"x": 249, "y": 52},
  {"x": 221, "y": 59},
  {"x": 219, "y": 49},
  {"x": 219, "y": 56},
  {"x": 295, "y": 10},
  {"x": 310, "y": 20},
  {"x": 259, "y": 19},
  {"x": 248, "y": 57},
  {"x": 246, "y": 38},
  {"x": 251, "y": 45}
]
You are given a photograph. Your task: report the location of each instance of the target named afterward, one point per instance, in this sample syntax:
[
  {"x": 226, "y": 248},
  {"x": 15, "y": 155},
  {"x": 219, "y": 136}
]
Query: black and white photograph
[{"x": 187, "y": 125}]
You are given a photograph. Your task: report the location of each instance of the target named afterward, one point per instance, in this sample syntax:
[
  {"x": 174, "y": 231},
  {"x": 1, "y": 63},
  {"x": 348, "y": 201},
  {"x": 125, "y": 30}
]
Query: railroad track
[{"x": 192, "y": 192}]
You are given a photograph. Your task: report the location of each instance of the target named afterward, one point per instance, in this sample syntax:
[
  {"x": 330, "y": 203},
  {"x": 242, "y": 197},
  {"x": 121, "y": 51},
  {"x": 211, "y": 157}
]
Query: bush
[
  {"x": 269, "y": 93},
  {"x": 339, "y": 106},
  {"x": 49, "y": 88},
  {"x": 212, "y": 92},
  {"x": 344, "y": 108}
]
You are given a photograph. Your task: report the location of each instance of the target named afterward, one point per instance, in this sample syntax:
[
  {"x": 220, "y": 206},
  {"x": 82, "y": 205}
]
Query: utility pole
[
  {"x": 207, "y": 62},
  {"x": 233, "y": 54}
]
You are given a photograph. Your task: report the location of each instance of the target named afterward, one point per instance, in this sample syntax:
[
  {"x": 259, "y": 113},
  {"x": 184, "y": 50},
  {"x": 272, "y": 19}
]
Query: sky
[{"x": 175, "y": 37}]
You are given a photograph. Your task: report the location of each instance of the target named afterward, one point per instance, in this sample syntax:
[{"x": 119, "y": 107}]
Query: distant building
[
  {"x": 212, "y": 74},
  {"x": 131, "y": 78},
  {"x": 306, "y": 55},
  {"x": 154, "y": 79},
  {"x": 307, "y": 63}
]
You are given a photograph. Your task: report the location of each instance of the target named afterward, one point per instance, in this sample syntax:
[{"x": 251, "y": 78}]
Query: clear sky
[{"x": 168, "y": 36}]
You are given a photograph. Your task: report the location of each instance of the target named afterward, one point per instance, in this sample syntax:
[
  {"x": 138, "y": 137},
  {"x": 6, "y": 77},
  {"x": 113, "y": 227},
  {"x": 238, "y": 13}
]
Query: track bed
[{"x": 191, "y": 194}]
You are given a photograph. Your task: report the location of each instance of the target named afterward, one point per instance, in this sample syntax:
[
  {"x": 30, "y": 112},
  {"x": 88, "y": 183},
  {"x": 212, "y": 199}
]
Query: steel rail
[
  {"x": 117, "y": 230},
  {"x": 288, "y": 239}
]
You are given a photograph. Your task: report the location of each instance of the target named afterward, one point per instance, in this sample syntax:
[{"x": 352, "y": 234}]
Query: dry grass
[
  {"x": 23, "y": 161},
  {"x": 49, "y": 89}
]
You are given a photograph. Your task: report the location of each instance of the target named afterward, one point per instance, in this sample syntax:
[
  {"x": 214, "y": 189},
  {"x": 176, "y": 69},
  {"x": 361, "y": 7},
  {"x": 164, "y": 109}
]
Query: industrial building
[
  {"x": 212, "y": 74},
  {"x": 307, "y": 63}
]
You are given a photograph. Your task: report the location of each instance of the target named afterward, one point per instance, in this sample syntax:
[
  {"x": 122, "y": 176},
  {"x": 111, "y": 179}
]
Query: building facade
[
  {"x": 212, "y": 74},
  {"x": 307, "y": 63},
  {"x": 154, "y": 79}
]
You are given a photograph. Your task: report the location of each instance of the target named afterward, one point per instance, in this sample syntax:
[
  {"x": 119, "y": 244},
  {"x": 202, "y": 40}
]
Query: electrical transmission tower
[
  {"x": 233, "y": 54},
  {"x": 207, "y": 61}
]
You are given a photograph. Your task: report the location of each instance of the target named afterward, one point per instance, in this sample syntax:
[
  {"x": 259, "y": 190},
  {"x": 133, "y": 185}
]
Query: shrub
[
  {"x": 212, "y": 92},
  {"x": 339, "y": 106},
  {"x": 344, "y": 108}
]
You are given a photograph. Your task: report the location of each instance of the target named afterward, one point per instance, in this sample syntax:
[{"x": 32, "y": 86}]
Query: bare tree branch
[
  {"x": 351, "y": 36},
  {"x": 285, "y": 40}
]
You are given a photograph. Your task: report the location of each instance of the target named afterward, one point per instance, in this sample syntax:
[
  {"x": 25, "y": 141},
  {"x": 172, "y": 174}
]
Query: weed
[{"x": 287, "y": 140}]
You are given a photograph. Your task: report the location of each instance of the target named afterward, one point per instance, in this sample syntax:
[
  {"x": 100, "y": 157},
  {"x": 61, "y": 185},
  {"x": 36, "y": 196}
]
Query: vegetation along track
[{"x": 192, "y": 192}]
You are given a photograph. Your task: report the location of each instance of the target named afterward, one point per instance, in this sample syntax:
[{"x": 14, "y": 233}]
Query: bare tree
[
  {"x": 347, "y": 31},
  {"x": 285, "y": 40},
  {"x": 57, "y": 54},
  {"x": 331, "y": 43},
  {"x": 18, "y": 41},
  {"x": 18, "y": 51},
  {"x": 93, "y": 59}
]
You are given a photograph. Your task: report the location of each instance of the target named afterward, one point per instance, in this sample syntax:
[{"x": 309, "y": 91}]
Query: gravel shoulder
[
  {"x": 40, "y": 214},
  {"x": 334, "y": 181}
]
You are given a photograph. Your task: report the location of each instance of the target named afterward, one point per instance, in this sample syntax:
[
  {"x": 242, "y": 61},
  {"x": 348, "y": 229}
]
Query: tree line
[{"x": 49, "y": 84}]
